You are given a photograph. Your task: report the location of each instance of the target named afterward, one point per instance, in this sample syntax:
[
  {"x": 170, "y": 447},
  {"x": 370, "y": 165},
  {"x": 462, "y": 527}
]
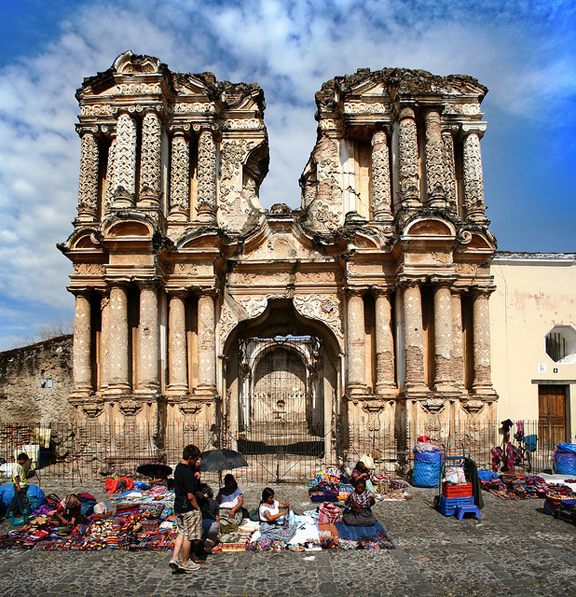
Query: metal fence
[{"x": 98, "y": 451}]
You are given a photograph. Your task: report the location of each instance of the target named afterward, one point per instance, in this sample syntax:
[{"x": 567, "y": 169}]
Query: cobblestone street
[{"x": 515, "y": 550}]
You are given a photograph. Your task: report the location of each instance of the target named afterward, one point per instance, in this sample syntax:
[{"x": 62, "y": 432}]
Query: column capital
[
  {"x": 179, "y": 129},
  {"x": 86, "y": 129},
  {"x": 383, "y": 290},
  {"x": 482, "y": 291},
  {"x": 212, "y": 291},
  {"x": 177, "y": 292},
  {"x": 153, "y": 283},
  {"x": 353, "y": 291},
  {"x": 406, "y": 112},
  {"x": 442, "y": 282},
  {"x": 79, "y": 291},
  {"x": 117, "y": 282},
  {"x": 473, "y": 128},
  {"x": 405, "y": 282}
]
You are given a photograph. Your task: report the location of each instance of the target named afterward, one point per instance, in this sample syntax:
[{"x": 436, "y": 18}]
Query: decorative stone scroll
[
  {"x": 381, "y": 187},
  {"x": 206, "y": 201},
  {"x": 88, "y": 187},
  {"x": 195, "y": 108},
  {"x": 408, "y": 159},
  {"x": 96, "y": 110},
  {"x": 366, "y": 108},
  {"x": 373, "y": 410},
  {"x": 473, "y": 178},
  {"x": 180, "y": 177},
  {"x": 151, "y": 157},
  {"x": 323, "y": 308},
  {"x": 468, "y": 109},
  {"x": 245, "y": 124},
  {"x": 138, "y": 88}
]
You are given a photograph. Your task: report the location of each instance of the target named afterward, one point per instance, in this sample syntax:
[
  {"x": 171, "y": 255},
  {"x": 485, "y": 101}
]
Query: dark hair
[
  {"x": 360, "y": 482},
  {"x": 190, "y": 451},
  {"x": 266, "y": 493},
  {"x": 206, "y": 489},
  {"x": 230, "y": 477},
  {"x": 359, "y": 465},
  {"x": 22, "y": 456}
]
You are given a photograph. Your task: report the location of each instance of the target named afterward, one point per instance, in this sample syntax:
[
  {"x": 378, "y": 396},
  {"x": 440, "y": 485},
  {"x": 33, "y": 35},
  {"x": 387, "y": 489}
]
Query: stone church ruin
[{"x": 356, "y": 322}]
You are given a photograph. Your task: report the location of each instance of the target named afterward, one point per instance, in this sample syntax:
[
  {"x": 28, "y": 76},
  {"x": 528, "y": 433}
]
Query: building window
[{"x": 561, "y": 344}]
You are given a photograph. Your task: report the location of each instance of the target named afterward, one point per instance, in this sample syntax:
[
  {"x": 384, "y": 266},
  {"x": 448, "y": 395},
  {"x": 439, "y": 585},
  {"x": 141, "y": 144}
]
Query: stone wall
[{"x": 36, "y": 381}]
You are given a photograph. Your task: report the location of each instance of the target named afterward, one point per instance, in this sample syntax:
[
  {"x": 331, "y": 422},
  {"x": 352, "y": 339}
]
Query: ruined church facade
[{"x": 366, "y": 308}]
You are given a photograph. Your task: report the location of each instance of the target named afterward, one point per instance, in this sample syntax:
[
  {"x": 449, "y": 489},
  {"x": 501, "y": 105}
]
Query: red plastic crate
[{"x": 452, "y": 491}]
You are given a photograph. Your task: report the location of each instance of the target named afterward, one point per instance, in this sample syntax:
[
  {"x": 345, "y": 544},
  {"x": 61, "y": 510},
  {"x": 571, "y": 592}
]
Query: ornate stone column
[
  {"x": 206, "y": 343},
  {"x": 381, "y": 182},
  {"x": 180, "y": 176},
  {"x": 356, "y": 343},
  {"x": 109, "y": 192},
  {"x": 434, "y": 160},
  {"x": 482, "y": 380},
  {"x": 177, "y": 348},
  {"x": 82, "y": 344},
  {"x": 443, "y": 344},
  {"x": 148, "y": 372},
  {"x": 151, "y": 160},
  {"x": 124, "y": 187},
  {"x": 385, "y": 366},
  {"x": 206, "y": 198},
  {"x": 118, "y": 340},
  {"x": 473, "y": 176},
  {"x": 408, "y": 159},
  {"x": 457, "y": 338},
  {"x": 449, "y": 168},
  {"x": 413, "y": 337},
  {"x": 88, "y": 184}
]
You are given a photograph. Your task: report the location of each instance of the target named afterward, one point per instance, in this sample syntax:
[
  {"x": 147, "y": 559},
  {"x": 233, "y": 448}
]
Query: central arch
[{"x": 282, "y": 390}]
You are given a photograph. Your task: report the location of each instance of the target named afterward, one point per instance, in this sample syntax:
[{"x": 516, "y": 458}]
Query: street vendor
[
  {"x": 19, "y": 502},
  {"x": 271, "y": 511},
  {"x": 231, "y": 499},
  {"x": 69, "y": 510},
  {"x": 359, "y": 504},
  {"x": 360, "y": 473}
]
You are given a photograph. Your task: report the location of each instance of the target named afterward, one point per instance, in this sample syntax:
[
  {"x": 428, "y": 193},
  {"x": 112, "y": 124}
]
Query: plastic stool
[
  {"x": 467, "y": 509},
  {"x": 18, "y": 522}
]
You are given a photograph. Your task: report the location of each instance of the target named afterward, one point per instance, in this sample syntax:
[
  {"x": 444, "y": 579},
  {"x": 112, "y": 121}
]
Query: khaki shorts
[{"x": 190, "y": 525}]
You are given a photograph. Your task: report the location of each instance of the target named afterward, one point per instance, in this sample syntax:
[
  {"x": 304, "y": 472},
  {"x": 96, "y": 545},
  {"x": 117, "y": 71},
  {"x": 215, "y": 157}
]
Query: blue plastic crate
[{"x": 448, "y": 505}]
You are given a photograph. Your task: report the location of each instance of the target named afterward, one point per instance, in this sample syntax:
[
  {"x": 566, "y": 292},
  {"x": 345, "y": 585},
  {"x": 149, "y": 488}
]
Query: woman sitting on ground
[
  {"x": 359, "y": 507},
  {"x": 210, "y": 515},
  {"x": 231, "y": 500},
  {"x": 271, "y": 511},
  {"x": 69, "y": 510}
]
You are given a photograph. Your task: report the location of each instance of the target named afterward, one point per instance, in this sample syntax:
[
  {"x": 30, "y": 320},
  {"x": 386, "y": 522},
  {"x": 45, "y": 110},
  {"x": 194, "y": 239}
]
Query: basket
[
  {"x": 453, "y": 491},
  {"x": 448, "y": 505}
]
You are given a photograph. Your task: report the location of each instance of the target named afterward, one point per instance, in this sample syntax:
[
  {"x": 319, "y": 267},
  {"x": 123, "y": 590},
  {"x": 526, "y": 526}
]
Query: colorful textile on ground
[{"x": 517, "y": 487}]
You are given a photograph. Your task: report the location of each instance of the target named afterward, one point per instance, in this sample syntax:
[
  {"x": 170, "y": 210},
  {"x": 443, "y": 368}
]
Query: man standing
[
  {"x": 186, "y": 509},
  {"x": 19, "y": 477}
]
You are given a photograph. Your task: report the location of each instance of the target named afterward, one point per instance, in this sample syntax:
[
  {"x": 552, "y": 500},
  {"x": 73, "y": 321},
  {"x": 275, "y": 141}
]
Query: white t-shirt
[
  {"x": 230, "y": 501},
  {"x": 271, "y": 509}
]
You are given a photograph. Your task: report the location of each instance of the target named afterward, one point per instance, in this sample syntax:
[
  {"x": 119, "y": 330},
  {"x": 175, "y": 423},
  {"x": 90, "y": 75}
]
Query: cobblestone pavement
[{"x": 515, "y": 550}]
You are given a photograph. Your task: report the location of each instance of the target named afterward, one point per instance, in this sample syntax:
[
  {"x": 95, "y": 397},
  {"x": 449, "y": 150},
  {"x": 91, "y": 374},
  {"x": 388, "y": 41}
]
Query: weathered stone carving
[
  {"x": 96, "y": 110},
  {"x": 130, "y": 408},
  {"x": 408, "y": 158},
  {"x": 138, "y": 88},
  {"x": 449, "y": 170},
  {"x": 473, "y": 178},
  {"x": 366, "y": 108},
  {"x": 247, "y": 124},
  {"x": 151, "y": 156},
  {"x": 381, "y": 183},
  {"x": 325, "y": 308},
  {"x": 180, "y": 177},
  {"x": 206, "y": 199},
  {"x": 194, "y": 108},
  {"x": 434, "y": 160},
  {"x": 125, "y": 154},
  {"x": 109, "y": 194},
  {"x": 468, "y": 109},
  {"x": 88, "y": 269},
  {"x": 88, "y": 187}
]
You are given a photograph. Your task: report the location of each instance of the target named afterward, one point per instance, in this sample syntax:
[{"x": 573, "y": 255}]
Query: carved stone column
[
  {"x": 457, "y": 339},
  {"x": 482, "y": 380},
  {"x": 356, "y": 343},
  {"x": 408, "y": 159},
  {"x": 177, "y": 348},
  {"x": 124, "y": 187},
  {"x": 444, "y": 372},
  {"x": 434, "y": 161},
  {"x": 413, "y": 337},
  {"x": 449, "y": 169},
  {"x": 473, "y": 178},
  {"x": 109, "y": 192},
  {"x": 381, "y": 182},
  {"x": 82, "y": 345},
  {"x": 180, "y": 176},
  {"x": 206, "y": 199},
  {"x": 88, "y": 185},
  {"x": 206, "y": 343},
  {"x": 151, "y": 160},
  {"x": 385, "y": 366},
  {"x": 118, "y": 340},
  {"x": 148, "y": 371}
]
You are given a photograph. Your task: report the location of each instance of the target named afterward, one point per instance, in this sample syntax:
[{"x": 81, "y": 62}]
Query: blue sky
[{"x": 523, "y": 51}]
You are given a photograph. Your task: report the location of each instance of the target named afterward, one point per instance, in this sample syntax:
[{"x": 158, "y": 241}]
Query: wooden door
[{"x": 551, "y": 415}]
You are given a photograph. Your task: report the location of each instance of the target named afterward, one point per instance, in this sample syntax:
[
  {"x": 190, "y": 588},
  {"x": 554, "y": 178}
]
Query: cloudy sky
[{"x": 524, "y": 51}]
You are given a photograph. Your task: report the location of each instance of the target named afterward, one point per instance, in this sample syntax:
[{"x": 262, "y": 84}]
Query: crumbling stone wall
[{"x": 24, "y": 396}]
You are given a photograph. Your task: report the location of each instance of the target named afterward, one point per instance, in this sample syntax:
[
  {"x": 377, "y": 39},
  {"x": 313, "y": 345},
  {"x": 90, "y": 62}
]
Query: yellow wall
[{"x": 535, "y": 292}]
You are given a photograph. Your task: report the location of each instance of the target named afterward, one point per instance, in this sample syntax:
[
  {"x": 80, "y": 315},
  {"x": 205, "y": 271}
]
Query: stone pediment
[{"x": 430, "y": 227}]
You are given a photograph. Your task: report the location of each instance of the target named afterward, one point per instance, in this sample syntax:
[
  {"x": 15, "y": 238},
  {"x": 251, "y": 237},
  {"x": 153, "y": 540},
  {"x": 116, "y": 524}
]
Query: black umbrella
[
  {"x": 221, "y": 460},
  {"x": 152, "y": 469}
]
